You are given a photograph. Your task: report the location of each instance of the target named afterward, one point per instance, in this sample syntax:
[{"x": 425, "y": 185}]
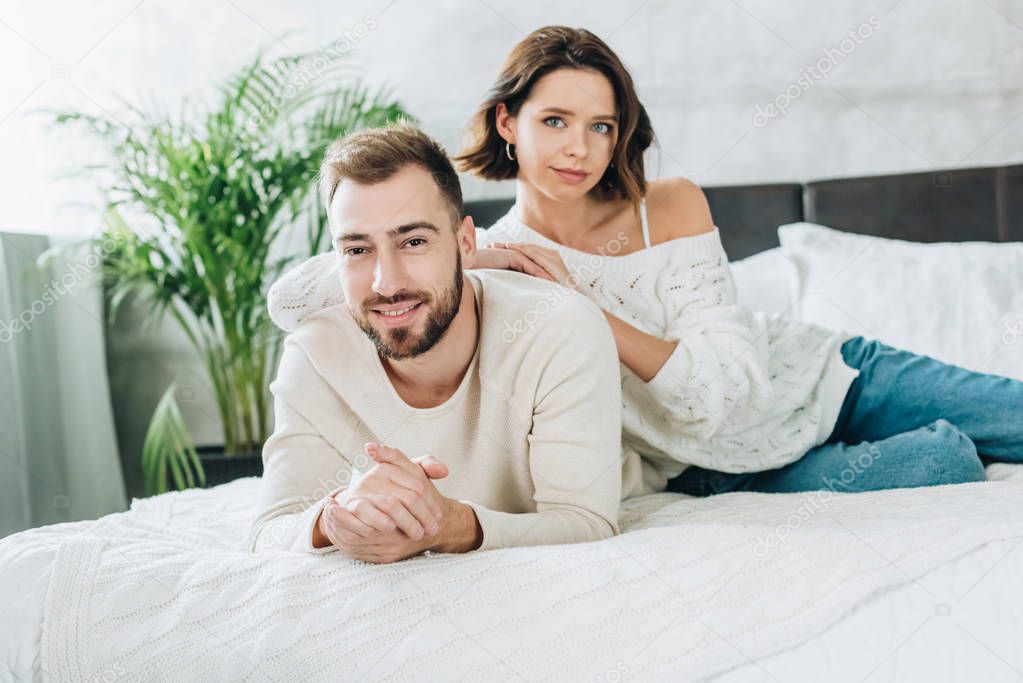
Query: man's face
[{"x": 401, "y": 260}]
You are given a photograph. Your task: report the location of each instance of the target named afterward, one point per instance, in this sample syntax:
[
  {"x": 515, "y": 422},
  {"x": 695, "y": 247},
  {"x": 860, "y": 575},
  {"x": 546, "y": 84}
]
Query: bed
[{"x": 907, "y": 584}]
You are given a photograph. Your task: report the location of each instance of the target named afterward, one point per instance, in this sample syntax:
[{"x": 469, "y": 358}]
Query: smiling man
[{"x": 435, "y": 408}]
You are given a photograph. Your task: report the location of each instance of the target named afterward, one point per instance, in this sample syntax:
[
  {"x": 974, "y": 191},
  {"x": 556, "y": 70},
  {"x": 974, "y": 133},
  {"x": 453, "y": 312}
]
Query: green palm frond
[
  {"x": 168, "y": 447},
  {"x": 200, "y": 204}
]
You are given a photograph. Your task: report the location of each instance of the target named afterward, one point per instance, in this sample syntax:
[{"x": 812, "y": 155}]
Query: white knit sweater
[{"x": 743, "y": 391}]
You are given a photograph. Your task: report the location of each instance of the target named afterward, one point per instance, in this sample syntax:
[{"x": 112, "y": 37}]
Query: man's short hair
[{"x": 372, "y": 156}]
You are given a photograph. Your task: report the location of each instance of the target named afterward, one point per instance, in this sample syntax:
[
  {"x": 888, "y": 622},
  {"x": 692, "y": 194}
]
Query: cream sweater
[
  {"x": 743, "y": 391},
  {"x": 530, "y": 437}
]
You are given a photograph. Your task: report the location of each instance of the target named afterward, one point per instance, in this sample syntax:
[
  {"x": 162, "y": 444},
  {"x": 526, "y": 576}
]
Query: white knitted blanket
[{"x": 692, "y": 588}]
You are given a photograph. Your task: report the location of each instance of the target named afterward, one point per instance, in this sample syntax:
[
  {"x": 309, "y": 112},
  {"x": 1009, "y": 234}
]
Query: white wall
[{"x": 935, "y": 85}]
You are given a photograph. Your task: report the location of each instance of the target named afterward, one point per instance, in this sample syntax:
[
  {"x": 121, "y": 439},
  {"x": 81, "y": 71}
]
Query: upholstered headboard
[{"x": 968, "y": 204}]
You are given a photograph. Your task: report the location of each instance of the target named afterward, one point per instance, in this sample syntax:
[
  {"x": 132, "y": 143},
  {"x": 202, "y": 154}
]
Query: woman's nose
[{"x": 576, "y": 146}]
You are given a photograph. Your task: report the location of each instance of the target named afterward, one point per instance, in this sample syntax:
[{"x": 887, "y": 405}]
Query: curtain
[{"x": 58, "y": 451}]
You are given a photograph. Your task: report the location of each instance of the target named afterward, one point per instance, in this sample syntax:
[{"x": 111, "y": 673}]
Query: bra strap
[{"x": 646, "y": 226}]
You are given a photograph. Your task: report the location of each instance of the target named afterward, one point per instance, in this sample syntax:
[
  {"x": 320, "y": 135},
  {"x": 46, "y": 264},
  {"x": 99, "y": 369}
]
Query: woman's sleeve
[
  {"x": 307, "y": 288},
  {"x": 482, "y": 237},
  {"x": 312, "y": 286},
  {"x": 718, "y": 370}
]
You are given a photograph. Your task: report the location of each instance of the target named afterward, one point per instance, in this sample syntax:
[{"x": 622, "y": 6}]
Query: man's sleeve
[
  {"x": 575, "y": 443},
  {"x": 301, "y": 471}
]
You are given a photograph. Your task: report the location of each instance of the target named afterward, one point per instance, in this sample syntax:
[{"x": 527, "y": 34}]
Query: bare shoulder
[{"x": 676, "y": 207}]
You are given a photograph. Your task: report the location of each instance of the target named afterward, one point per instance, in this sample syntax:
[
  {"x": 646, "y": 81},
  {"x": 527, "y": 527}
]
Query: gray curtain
[{"x": 58, "y": 451}]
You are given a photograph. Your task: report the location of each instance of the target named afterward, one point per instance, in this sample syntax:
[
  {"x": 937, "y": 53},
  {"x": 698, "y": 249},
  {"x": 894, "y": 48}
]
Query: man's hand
[
  {"x": 395, "y": 512},
  {"x": 460, "y": 532},
  {"x": 361, "y": 542},
  {"x": 398, "y": 492}
]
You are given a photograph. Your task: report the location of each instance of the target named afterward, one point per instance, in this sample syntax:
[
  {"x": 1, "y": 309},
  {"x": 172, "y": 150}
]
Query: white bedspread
[{"x": 693, "y": 588}]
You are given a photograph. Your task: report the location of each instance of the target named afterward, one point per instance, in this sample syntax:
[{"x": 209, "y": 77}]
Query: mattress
[{"x": 908, "y": 584}]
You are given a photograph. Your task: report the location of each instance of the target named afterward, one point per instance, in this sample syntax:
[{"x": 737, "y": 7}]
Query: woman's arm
[
  {"x": 676, "y": 208},
  {"x": 644, "y": 354}
]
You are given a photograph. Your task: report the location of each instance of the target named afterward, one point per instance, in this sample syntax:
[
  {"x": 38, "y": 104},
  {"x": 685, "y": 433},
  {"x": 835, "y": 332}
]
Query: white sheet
[{"x": 685, "y": 593}]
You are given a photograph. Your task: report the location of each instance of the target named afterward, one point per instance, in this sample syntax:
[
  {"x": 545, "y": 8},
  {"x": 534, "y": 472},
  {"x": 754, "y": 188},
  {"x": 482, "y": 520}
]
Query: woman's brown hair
[{"x": 541, "y": 52}]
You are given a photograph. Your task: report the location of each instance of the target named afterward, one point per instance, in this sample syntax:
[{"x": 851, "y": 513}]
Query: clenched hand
[{"x": 391, "y": 513}]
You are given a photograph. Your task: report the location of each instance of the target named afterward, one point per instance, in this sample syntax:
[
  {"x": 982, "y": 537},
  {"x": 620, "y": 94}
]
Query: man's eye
[
  {"x": 602, "y": 127},
  {"x": 352, "y": 251},
  {"x": 558, "y": 122},
  {"x": 415, "y": 239}
]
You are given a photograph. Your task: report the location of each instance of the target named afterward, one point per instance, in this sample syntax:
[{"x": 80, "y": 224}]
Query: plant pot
[{"x": 221, "y": 468}]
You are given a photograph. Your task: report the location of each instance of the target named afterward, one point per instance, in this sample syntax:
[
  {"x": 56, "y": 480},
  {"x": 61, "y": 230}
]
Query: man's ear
[
  {"x": 504, "y": 122},
  {"x": 467, "y": 242}
]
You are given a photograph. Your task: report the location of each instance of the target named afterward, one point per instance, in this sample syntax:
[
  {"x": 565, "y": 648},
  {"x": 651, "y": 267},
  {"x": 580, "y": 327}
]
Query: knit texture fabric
[{"x": 692, "y": 588}]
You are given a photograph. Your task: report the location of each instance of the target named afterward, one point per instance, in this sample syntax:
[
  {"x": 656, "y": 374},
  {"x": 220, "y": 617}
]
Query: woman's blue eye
[{"x": 558, "y": 122}]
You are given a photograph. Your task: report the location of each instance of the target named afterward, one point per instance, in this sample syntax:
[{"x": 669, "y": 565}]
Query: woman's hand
[
  {"x": 548, "y": 260},
  {"x": 502, "y": 258}
]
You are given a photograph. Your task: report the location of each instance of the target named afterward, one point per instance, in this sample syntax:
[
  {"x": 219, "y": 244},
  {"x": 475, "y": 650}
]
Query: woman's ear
[{"x": 504, "y": 122}]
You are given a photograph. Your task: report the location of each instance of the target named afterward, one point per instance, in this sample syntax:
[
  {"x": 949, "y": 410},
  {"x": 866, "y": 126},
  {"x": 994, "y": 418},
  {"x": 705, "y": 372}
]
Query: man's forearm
[{"x": 460, "y": 530}]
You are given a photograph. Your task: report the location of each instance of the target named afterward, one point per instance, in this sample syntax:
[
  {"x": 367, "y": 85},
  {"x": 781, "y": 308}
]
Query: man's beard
[{"x": 401, "y": 343}]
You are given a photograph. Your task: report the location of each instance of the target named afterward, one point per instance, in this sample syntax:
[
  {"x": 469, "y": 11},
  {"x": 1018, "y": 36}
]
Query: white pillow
[
  {"x": 959, "y": 302},
  {"x": 766, "y": 282}
]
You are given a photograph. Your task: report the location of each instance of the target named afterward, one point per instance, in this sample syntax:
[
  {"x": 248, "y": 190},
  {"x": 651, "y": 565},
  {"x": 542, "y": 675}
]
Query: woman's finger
[
  {"x": 531, "y": 252},
  {"x": 524, "y": 264},
  {"x": 548, "y": 259},
  {"x": 538, "y": 254},
  {"x": 527, "y": 246}
]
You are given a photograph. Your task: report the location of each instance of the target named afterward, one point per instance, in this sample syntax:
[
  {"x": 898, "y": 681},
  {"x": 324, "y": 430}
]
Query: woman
[{"x": 715, "y": 398}]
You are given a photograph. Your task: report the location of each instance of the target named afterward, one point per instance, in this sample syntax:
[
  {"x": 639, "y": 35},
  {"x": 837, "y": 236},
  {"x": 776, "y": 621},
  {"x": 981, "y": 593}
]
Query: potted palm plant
[{"x": 197, "y": 207}]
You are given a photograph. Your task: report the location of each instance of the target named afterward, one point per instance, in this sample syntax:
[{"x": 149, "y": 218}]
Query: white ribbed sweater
[{"x": 744, "y": 391}]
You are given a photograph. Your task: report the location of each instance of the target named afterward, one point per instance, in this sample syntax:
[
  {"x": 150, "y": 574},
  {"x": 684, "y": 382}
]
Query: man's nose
[{"x": 389, "y": 275}]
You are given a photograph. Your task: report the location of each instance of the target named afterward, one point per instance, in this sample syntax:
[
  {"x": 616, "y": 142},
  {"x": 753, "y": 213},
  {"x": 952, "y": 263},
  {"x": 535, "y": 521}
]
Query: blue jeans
[{"x": 908, "y": 420}]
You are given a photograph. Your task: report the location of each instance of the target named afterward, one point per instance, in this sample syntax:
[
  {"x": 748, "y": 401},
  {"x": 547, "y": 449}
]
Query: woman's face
[{"x": 564, "y": 133}]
